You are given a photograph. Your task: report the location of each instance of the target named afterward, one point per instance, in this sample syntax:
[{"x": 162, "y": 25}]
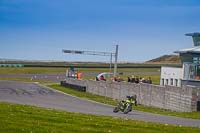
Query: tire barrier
[
  {"x": 72, "y": 86},
  {"x": 11, "y": 65}
]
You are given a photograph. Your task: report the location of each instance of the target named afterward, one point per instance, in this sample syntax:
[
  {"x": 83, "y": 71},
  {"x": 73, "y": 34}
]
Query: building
[
  {"x": 189, "y": 73},
  {"x": 171, "y": 76}
]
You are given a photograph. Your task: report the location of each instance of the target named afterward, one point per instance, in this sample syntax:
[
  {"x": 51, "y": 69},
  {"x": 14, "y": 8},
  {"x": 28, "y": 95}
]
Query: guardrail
[
  {"x": 11, "y": 65},
  {"x": 73, "y": 86}
]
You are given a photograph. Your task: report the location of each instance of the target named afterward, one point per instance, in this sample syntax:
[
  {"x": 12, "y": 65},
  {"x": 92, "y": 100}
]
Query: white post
[
  {"x": 110, "y": 66},
  {"x": 115, "y": 67}
]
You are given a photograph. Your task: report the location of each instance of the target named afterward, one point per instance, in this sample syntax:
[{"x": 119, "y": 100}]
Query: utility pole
[{"x": 116, "y": 56}]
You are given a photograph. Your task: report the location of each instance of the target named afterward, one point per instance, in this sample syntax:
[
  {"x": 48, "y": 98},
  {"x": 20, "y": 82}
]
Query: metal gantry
[{"x": 96, "y": 53}]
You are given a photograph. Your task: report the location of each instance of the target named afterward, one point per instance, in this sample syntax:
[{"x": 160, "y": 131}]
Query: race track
[
  {"x": 60, "y": 77},
  {"x": 34, "y": 94}
]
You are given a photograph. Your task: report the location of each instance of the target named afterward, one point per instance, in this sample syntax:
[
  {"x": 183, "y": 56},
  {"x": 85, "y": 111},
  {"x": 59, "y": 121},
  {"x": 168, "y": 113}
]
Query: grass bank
[{"x": 29, "y": 119}]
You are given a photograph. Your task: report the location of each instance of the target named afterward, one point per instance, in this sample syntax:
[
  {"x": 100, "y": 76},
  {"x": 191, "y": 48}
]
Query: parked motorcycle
[{"x": 126, "y": 105}]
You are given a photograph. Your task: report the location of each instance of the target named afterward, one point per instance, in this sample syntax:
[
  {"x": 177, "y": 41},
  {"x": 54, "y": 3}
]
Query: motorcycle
[{"x": 126, "y": 106}]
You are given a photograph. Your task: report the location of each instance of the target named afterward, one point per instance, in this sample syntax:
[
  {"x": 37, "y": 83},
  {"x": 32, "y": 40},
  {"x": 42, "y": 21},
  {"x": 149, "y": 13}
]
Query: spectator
[
  {"x": 140, "y": 80},
  {"x": 79, "y": 75},
  {"x": 120, "y": 79},
  {"x": 133, "y": 79},
  {"x": 149, "y": 81},
  {"x": 137, "y": 80},
  {"x": 115, "y": 79},
  {"x": 102, "y": 78},
  {"x": 143, "y": 80}
]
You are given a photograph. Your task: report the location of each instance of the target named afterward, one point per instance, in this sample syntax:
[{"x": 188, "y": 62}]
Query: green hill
[{"x": 165, "y": 59}]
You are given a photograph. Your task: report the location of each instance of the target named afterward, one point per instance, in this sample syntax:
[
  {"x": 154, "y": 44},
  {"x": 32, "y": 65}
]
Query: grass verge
[
  {"x": 16, "y": 118},
  {"x": 49, "y": 70},
  {"x": 102, "y": 99}
]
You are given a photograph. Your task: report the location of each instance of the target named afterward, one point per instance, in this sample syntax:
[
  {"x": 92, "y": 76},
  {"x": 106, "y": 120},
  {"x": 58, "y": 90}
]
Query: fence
[
  {"x": 11, "y": 65},
  {"x": 184, "y": 99}
]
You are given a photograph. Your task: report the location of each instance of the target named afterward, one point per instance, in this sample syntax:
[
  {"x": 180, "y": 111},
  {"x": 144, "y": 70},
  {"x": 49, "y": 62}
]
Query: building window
[
  {"x": 192, "y": 73},
  {"x": 163, "y": 82},
  {"x": 176, "y": 82},
  {"x": 166, "y": 82},
  {"x": 196, "y": 60},
  {"x": 171, "y": 81},
  {"x": 198, "y": 72}
]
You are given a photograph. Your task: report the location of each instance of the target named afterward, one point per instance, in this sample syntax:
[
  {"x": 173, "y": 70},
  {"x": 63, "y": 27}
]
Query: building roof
[
  {"x": 193, "y": 34},
  {"x": 195, "y": 50}
]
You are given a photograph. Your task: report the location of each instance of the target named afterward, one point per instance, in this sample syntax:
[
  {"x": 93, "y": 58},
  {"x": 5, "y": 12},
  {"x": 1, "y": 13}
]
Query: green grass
[
  {"x": 48, "y": 70},
  {"x": 29, "y": 119},
  {"x": 120, "y": 69},
  {"x": 85, "y": 95},
  {"x": 193, "y": 115}
]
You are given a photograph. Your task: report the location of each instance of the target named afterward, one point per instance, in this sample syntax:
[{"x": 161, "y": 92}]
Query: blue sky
[{"x": 143, "y": 29}]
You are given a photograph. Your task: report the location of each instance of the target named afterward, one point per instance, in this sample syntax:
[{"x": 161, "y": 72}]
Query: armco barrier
[
  {"x": 73, "y": 86},
  {"x": 11, "y": 65},
  {"x": 184, "y": 99}
]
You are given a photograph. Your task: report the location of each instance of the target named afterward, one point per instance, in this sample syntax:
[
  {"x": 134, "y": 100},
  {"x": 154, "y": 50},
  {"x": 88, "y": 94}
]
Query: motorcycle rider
[{"x": 122, "y": 104}]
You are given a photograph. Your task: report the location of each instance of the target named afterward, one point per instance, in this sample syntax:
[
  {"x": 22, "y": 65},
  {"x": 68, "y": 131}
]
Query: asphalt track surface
[
  {"x": 59, "y": 77},
  {"x": 34, "y": 94}
]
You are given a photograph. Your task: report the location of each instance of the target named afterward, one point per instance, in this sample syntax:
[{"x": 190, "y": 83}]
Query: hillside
[
  {"x": 165, "y": 59},
  {"x": 157, "y": 62}
]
